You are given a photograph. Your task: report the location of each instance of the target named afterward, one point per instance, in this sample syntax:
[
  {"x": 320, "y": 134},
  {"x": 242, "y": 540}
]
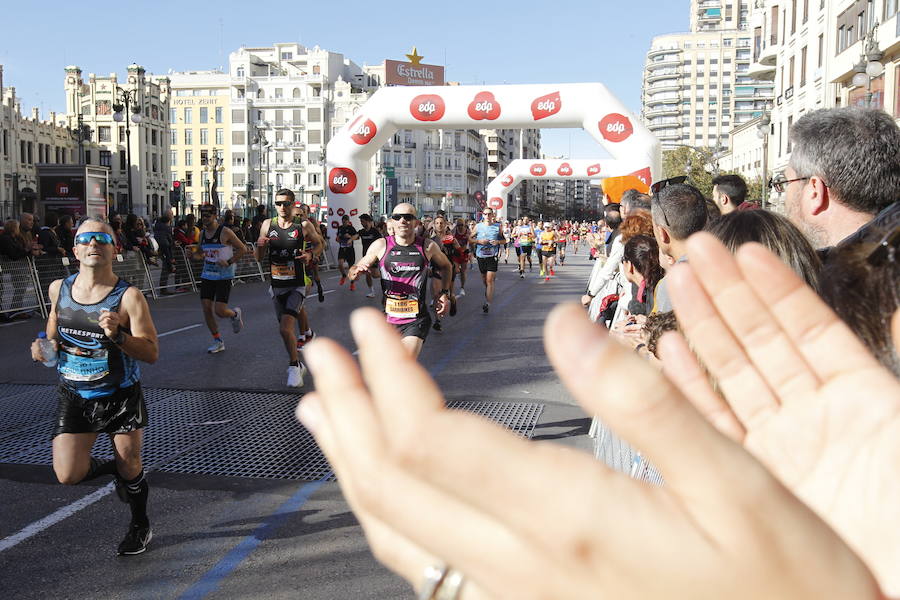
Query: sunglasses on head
[
  {"x": 661, "y": 185},
  {"x": 283, "y": 203},
  {"x": 404, "y": 216},
  {"x": 85, "y": 238}
]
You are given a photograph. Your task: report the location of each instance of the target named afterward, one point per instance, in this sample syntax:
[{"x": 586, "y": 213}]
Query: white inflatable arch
[
  {"x": 587, "y": 105},
  {"x": 557, "y": 169}
]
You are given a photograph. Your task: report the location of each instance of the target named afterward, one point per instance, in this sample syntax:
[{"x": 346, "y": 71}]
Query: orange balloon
[{"x": 614, "y": 187}]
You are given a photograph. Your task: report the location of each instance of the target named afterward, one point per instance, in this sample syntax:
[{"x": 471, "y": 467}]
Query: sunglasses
[
  {"x": 886, "y": 250},
  {"x": 661, "y": 185},
  {"x": 207, "y": 214},
  {"x": 404, "y": 216},
  {"x": 102, "y": 238},
  {"x": 283, "y": 203}
]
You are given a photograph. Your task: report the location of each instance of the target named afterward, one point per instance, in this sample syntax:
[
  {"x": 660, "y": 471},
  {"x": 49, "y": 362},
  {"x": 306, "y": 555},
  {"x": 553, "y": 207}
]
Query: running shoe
[
  {"x": 295, "y": 375},
  {"x": 521, "y": 274},
  {"x": 136, "y": 540},
  {"x": 343, "y": 279},
  {"x": 437, "y": 326},
  {"x": 371, "y": 294},
  {"x": 305, "y": 339},
  {"x": 552, "y": 273},
  {"x": 462, "y": 292},
  {"x": 320, "y": 291},
  {"x": 485, "y": 307},
  {"x": 217, "y": 346},
  {"x": 352, "y": 286},
  {"x": 547, "y": 278},
  {"x": 452, "y": 306},
  {"x": 542, "y": 272},
  {"x": 237, "y": 321}
]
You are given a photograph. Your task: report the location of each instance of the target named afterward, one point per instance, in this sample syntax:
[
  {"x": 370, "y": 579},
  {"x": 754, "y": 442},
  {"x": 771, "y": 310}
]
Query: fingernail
[
  {"x": 309, "y": 413},
  {"x": 312, "y": 356}
]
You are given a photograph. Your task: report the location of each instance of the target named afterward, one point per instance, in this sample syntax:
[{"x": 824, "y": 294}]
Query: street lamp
[
  {"x": 869, "y": 66},
  {"x": 214, "y": 166},
  {"x": 128, "y": 103},
  {"x": 762, "y": 131},
  {"x": 418, "y": 184},
  {"x": 82, "y": 135},
  {"x": 261, "y": 144}
]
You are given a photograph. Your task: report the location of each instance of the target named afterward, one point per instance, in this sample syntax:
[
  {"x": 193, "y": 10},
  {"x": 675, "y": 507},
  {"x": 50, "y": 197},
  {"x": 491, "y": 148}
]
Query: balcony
[
  {"x": 762, "y": 72},
  {"x": 282, "y": 166},
  {"x": 673, "y": 61},
  {"x": 661, "y": 52},
  {"x": 409, "y": 144},
  {"x": 298, "y": 166},
  {"x": 296, "y": 124},
  {"x": 663, "y": 111},
  {"x": 281, "y": 124},
  {"x": 655, "y": 100},
  {"x": 674, "y": 74},
  {"x": 666, "y": 86},
  {"x": 668, "y": 135},
  {"x": 666, "y": 126},
  {"x": 768, "y": 56}
]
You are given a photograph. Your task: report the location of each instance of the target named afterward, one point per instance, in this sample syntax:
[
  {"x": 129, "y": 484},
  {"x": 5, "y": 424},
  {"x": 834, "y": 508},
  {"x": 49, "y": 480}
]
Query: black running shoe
[
  {"x": 485, "y": 307},
  {"x": 452, "y": 306},
  {"x": 136, "y": 540},
  {"x": 121, "y": 492},
  {"x": 321, "y": 292},
  {"x": 437, "y": 326}
]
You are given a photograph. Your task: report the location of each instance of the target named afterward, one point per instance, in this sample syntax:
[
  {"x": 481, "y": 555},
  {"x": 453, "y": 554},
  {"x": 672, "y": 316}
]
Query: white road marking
[
  {"x": 54, "y": 518},
  {"x": 179, "y": 330}
]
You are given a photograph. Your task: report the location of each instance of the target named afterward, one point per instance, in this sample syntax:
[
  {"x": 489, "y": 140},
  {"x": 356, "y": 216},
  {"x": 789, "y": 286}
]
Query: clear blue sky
[{"x": 492, "y": 42}]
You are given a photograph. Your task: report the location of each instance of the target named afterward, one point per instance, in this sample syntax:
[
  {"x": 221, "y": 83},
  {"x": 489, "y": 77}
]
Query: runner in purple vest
[{"x": 404, "y": 260}]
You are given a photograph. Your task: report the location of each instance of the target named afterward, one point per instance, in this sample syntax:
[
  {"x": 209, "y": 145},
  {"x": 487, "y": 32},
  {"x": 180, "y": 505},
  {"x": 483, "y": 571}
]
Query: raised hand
[{"x": 799, "y": 390}]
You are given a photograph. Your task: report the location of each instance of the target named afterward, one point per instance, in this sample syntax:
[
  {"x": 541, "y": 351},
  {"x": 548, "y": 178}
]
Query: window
[
  {"x": 279, "y": 92},
  {"x": 793, "y": 16},
  {"x": 103, "y": 134},
  {"x": 173, "y": 136},
  {"x": 105, "y": 158},
  {"x": 173, "y": 158},
  {"x": 287, "y": 55},
  {"x": 153, "y": 137},
  {"x": 805, "y": 10},
  {"x": 204, "y": 114},
  {"x": 204, "y": 157},
  {"x": 189, "y": 158},
  {"x": 840, "y": 39},
  {"x": 821, "y": 49},
  {"x": 154, "y": 161},
  {"x": 188, "y": 115},
  {"x": 237, "y": 115},
  {"x": 315, "y": 136},
  {"x": 218, "y": 114},
  {"x": 803, "y": 66},
  {"x": 123, "y": 161},
  {"x": 239, "y": 72},
  {"x": 237, "y": 138},
  {"x": 188, "y": 178},
  {"x": 220, "y": 136},
  {"x": 314, "y": 115},
  {"x": 861, "y": 24},
  {"x": 204, "y": 137},
  {"x": 173, "y": 115},
  {"x": 890, "y": 9},
  {"x": 188, "y": 137}
]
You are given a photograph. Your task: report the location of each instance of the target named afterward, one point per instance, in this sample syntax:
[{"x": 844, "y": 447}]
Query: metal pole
[
  {"x": 765, "y": 171},
  {"x": 130, "y": 204}
]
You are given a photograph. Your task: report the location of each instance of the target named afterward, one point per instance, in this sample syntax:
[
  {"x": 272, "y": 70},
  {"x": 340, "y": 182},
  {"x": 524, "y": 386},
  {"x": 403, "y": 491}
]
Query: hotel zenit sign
[{"x": 412, "y": 72}]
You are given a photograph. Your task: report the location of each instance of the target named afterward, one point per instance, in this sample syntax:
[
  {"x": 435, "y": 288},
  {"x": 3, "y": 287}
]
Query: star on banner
[{"x": 414, "y": 58}]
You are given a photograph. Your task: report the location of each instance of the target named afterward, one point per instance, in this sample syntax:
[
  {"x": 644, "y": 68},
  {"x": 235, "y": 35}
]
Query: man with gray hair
[{"x": 843, "y": 175}]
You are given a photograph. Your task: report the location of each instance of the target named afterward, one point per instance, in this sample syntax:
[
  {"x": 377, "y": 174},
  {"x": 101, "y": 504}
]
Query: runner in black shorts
[
  {"x": 291, "y": 247},
  {"x": 220, "y": 249},
  {"x": 488, "y": 238},
  {"x": 367, "y": 235},
  {"x": 346, "y": 234},
  {"x": 404, "y": 260},
  {"x": 101, "y": 326}
]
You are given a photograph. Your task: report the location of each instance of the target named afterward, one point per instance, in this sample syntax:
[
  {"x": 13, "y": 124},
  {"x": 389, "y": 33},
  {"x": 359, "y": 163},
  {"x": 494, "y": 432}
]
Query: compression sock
[
  {"x": 294, "y": 363},
  {"x": 138, "y": 489},
  {"x": 99, "y": 468},
  {"x": 217, "y": 336}
]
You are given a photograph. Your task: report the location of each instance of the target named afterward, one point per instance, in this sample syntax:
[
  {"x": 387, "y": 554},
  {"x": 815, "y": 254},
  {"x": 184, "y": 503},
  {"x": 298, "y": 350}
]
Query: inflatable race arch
[
  {"x": 587, "y": 105},
  {"x": 557, "y": 169}
]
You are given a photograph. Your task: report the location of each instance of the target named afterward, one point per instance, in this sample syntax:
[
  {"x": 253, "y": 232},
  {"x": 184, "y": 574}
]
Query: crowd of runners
[{"x": 797, "y": 331}]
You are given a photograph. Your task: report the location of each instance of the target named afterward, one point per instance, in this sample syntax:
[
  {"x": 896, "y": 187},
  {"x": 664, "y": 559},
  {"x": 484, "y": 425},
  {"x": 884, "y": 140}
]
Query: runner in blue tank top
[
  {"x": 488, "y": 240},
  {"x": 101, "y": 326}
]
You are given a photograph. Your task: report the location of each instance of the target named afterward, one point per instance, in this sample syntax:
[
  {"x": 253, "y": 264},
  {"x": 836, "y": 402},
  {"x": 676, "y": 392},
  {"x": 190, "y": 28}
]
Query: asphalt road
[{"x": 253, "y": 537}]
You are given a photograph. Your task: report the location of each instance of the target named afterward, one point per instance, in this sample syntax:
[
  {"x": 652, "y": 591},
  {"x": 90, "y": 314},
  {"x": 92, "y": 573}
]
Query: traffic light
[{"x": 175, "y": 194}]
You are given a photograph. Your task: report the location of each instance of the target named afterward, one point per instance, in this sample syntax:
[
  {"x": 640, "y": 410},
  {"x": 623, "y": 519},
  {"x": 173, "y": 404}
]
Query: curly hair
[
  {"x": 657, "y": 324},
  {"x": 639, "y": 223}
]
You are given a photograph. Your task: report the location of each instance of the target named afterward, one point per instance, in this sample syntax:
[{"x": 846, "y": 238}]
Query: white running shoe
[
  {"x": 462, "y": 292},
  {"x": 295, "y": 375},
  {"x": 371, "y": 294},
  {"x": 237, "y": 321},
  {"x": 217, "y": 346}
]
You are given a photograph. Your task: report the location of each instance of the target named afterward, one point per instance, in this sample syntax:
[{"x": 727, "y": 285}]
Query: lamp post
[
  {"x": 322, "y": 197},
  {"x": 214, "y": 166},
  {"x": 261, "y": 144},
  {"x": 418, "y": 184},
  {"x": 762, "y": 131},
  {"x": 82, "y": 135},
  {"x": 127, "y": 104},
  {"x": 869, "y": 66}
]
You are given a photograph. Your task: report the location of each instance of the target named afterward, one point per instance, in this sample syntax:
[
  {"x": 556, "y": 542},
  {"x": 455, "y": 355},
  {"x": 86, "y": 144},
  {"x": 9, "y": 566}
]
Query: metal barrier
[
  {"x": 620, "y": 456},
  {"x": 170, "y": 281},
  {"x": 48, "y": 269},
  {"x": 19, "y": 289},
  {"x": 247, "y": 267},
  {"x": 132, "y": 267}
]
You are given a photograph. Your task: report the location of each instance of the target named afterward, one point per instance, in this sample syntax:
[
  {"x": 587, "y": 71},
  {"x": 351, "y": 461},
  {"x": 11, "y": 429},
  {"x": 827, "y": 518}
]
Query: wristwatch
[
  {"x": 119, "y": 339},
  {"x": 445, "y": 292}
]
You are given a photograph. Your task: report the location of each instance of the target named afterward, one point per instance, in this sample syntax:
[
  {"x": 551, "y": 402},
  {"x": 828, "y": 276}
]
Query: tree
[{"x": 699, "y": 164}]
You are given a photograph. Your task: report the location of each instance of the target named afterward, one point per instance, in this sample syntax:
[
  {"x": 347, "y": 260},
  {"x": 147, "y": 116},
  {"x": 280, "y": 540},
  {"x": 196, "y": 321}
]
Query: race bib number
[
  {"x": 401, "y": 308},
  {"x": 84, "y": 368},
  {"x": 283, "y": 272}
]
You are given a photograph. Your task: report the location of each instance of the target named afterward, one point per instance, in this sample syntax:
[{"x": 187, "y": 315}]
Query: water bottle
[{"x": 48, "y": 349}]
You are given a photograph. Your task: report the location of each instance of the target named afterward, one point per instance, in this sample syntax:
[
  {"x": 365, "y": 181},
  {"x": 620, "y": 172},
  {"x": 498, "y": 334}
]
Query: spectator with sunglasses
[
  {"x": 843, "y": 177},
  {"x": 679, "y": 211}
]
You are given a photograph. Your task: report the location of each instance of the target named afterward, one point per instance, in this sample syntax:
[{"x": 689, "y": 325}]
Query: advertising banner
[{"x": 404, "y": 73}]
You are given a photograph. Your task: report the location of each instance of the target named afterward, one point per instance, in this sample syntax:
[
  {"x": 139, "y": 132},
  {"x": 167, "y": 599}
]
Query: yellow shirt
[{"x": 548, "y": 241}]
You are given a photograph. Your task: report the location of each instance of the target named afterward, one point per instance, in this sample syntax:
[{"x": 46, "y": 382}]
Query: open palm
[{"x": 800, "y": 391}]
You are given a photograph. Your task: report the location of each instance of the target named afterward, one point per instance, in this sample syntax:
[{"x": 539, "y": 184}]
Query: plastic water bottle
[{"x": 48, "y": 349}]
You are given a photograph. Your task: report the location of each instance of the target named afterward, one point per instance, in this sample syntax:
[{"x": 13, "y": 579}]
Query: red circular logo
[
  {"x": 342, "y": 180},
  {"x": 496, "y": 203},
  {"x": 616, "y": 128},
  {"x": 427, "y": 107}
]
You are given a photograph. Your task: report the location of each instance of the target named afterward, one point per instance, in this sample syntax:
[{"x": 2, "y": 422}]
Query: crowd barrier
[
  {"x": 25, "y": 283},
  {"x": 620, "y": 456}
]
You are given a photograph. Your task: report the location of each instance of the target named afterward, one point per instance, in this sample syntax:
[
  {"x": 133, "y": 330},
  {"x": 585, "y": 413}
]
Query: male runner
[
  {"x": 549, "y": 240},
  {"x": 301, "y": 213},
  {"x": 367, "y": 235},
  {"x": 488, "y": 239},
  {"x": 289, "y": 256},
  {"x": 404, "y": 259},
  {"x": 538, "y": 244},
  {"x": 461, "y": 260},
  {"x": 562, "y": 239},
  {"x": 450, "y": 247},
  {"x": 101, "y": 326},
  {"x": 220, "y": 249},
  {"x": 524, "y": 233},
  {"x": 346, "y": 234}
]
